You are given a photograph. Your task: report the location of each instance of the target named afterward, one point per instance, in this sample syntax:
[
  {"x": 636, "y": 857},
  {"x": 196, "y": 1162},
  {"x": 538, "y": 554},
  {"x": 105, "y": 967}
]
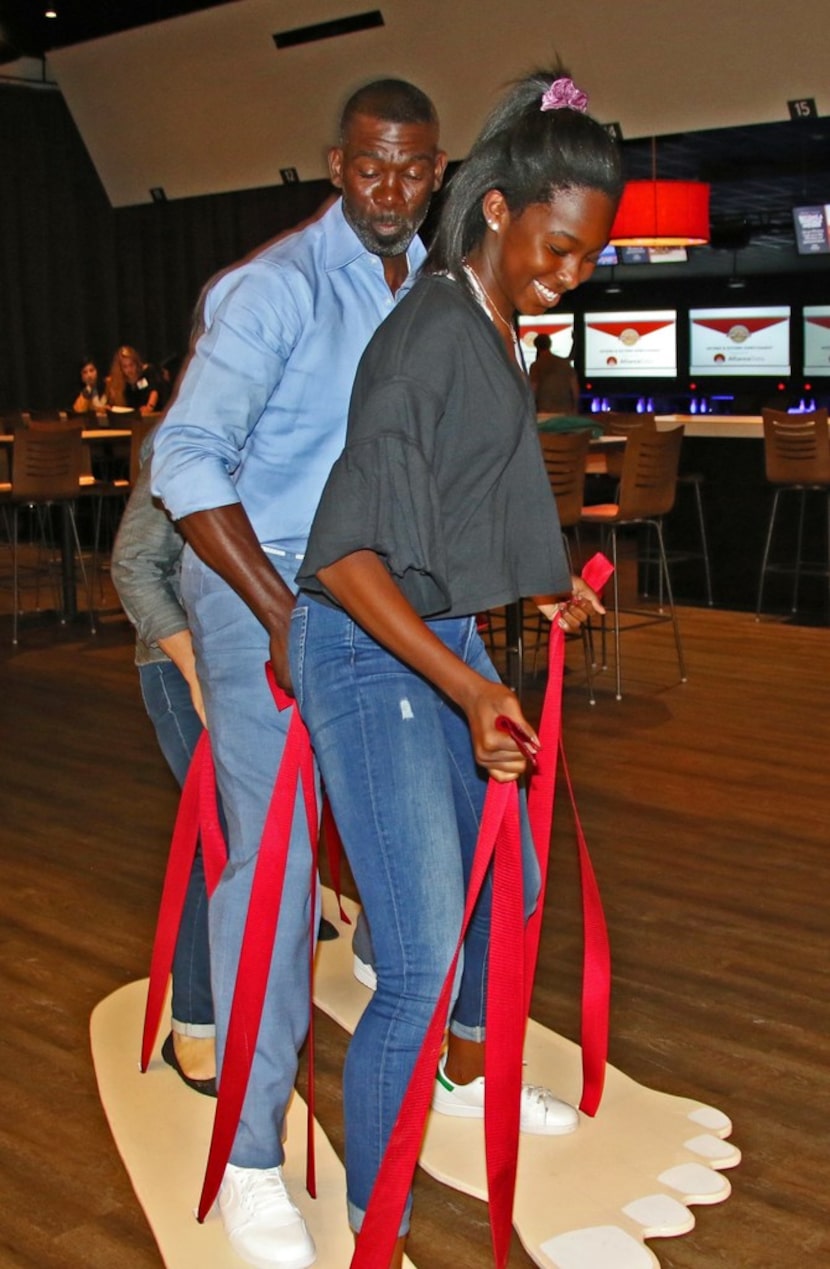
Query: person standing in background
[
  {"x": 553, "y": 380},
  {"x": 146, "y": 569}
]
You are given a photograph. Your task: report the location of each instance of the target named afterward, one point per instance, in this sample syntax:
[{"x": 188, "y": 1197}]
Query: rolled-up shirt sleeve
[{"x": 251, "y": 325}]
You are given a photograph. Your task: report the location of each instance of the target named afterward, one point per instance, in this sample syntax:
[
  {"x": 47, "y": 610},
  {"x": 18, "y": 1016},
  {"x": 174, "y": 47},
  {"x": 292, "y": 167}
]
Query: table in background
[{"x": 69, "y": 597}]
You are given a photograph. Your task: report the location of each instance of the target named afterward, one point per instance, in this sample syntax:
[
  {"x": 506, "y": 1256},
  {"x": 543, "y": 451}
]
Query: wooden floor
[{"x": 706, "y": 809}]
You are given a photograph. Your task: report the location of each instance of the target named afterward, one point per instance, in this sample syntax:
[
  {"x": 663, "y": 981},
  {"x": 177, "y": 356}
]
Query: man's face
[{"x": 388, "y": 173}]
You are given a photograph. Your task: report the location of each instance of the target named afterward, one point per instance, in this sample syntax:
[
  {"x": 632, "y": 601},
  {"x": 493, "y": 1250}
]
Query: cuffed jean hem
[
  {"x": 195, "y": 1030},
  {"x": 357, "y": 1216},
  {"x": 476, "y": 1034}
]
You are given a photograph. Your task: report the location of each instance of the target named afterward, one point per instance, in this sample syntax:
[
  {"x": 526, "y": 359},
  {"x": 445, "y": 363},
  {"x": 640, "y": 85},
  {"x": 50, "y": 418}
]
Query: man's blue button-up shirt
[{"x": 260, "y": 415}]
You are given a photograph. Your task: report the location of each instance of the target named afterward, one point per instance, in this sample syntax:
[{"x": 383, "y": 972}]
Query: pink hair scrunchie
[{"x": 564, "y": 94}]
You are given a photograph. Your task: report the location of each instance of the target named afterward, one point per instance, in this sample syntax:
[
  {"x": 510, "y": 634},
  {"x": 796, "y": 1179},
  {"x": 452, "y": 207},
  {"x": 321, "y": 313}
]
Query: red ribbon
[{"x": 507, "y": 1007}]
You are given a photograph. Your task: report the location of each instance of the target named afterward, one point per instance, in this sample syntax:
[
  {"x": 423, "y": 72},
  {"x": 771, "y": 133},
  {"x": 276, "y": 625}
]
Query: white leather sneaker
[
  {"x": 541, "y": 1113},
  {"x": 364, "y": 973},
  {"x": 262, "y": 1224}
]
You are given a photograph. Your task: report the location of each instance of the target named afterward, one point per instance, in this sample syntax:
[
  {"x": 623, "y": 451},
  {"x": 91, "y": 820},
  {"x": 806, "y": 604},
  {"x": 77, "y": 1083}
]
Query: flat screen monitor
[
  {"x": 739, "y": 341},
  {"x": 812, "y": 229},
  {"x": 632, "y": 345},
  {"x": 817, "y": 339},
  {"x": 653, "y": 255},
  {"x": 561, "y": 331}
]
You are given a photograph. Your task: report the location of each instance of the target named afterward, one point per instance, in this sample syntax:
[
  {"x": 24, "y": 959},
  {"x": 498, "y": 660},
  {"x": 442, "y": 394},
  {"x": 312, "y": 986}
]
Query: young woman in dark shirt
[{"x": 439, "y": 508}]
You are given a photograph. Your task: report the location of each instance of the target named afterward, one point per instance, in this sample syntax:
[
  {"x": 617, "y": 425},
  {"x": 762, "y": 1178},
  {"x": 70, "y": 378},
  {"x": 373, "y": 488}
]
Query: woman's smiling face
[{"x": 532, "y": 258}]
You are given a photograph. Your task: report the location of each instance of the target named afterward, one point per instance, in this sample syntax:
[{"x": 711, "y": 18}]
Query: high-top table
[
  {"x": 69, "y": 598},
  {"x": 716, "y": 426}
]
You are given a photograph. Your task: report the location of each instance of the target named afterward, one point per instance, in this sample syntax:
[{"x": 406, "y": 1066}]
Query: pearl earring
[{"x": 492, "y": 224}]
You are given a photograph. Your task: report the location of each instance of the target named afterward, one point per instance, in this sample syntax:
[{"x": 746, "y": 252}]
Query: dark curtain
[{"x": 78, "y": 278}]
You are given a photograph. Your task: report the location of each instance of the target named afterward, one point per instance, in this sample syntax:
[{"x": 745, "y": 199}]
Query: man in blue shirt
[{"x": 240, "y": 462}]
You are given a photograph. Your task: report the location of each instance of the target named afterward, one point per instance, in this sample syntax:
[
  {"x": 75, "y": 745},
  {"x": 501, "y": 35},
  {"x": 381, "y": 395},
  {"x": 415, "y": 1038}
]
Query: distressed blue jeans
[{"x": 397, "y": 761}]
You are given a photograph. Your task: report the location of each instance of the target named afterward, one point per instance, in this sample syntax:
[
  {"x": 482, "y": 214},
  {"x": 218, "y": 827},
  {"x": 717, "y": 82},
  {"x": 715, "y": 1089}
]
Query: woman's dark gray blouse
[{"x": 442, "y": 475}]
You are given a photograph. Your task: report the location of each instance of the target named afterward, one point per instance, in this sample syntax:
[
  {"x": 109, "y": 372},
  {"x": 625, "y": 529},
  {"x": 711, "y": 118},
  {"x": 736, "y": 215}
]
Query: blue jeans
[
  {"x": 247, "y": 737},
  {"x": 178, "y": 728},
  {"x": 397, "y": 761}
]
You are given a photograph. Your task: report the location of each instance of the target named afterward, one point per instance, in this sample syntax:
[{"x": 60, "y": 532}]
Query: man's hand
[{"x": 279, "y": 654}]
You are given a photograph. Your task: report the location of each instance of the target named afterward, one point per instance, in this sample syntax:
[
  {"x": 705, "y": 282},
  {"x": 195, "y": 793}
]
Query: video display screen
[
  {"x": 739, "y": 341},
  {"x": 653, "y": 255},
  {"x": 812, "y": 230},
  {"x": 561, "y": 331},
  {"x": 817, "y": 339},
  {"x": 631, "y": 345},
  {"x": 642, "y": 255}
]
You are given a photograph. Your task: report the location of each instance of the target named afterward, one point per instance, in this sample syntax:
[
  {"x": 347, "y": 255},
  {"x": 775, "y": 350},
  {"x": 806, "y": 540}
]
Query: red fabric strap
[
  {"x": 197, "y": 814},
  {"x": 198, "y": 817},
  {"x": 498, "y": 834},
  {"x": 508, "y": 999},
  {"x": 507, "y": 1007},
  {"x": 258, "y": 942},
  {"x": 596, "y": 963},
  {"x": 334, "y": 856}
]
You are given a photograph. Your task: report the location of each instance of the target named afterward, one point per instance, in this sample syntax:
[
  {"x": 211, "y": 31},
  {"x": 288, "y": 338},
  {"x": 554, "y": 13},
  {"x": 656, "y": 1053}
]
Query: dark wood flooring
[{"x": 706, "y": 809}]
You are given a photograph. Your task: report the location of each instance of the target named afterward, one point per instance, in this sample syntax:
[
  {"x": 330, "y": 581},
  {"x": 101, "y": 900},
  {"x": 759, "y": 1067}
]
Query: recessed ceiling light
[{"x": 51, "y": 13}]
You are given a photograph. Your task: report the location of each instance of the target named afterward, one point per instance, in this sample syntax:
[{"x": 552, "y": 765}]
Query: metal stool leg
[
  {"x": 799, "y": 544},
  {"x": 765, "y": 559},
  {"x": 704, "y": 545}
]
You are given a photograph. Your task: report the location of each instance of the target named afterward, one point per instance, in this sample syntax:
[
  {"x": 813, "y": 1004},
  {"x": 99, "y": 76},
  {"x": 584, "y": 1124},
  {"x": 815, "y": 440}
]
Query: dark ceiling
[
  {"x": 758, "y": 173},
  {"x": 25, "y": 31}
]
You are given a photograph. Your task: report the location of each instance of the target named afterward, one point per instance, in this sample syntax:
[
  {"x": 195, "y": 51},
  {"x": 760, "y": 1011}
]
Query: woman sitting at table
[
  {"x": 93, "y": 395},
  {"x": 132, "y": 384}
]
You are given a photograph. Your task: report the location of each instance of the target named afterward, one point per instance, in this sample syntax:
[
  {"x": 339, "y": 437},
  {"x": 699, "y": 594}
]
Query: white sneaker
[
  {"x": 541, "y": 1112},
  {"x": 262, "y": 1224},
  {"x": 364, "y": 973}
]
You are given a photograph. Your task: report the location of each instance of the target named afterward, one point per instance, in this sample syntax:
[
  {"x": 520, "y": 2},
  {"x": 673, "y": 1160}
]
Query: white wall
[{"x": 205, "y": 103}]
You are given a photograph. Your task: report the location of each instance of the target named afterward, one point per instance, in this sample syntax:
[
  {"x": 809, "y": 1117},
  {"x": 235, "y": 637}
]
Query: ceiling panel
[{"x": 203, "y": 102}]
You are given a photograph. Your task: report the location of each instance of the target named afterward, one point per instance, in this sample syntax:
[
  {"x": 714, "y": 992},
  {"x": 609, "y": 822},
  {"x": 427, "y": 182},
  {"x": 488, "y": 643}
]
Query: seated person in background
[
  {"x": 131, "y": 383},
  {"x": 92, "y": 396},
  {"x": 553, "y": 380},
  {"x": 146, "y": 565}
]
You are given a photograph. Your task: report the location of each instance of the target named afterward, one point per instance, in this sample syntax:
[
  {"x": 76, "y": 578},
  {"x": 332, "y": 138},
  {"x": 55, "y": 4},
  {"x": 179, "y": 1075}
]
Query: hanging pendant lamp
[{"x": 662, "y": 213}]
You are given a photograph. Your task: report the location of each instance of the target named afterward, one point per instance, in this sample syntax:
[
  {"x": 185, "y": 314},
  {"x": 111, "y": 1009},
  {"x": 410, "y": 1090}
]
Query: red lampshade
[{"x": 662, "y": 214}]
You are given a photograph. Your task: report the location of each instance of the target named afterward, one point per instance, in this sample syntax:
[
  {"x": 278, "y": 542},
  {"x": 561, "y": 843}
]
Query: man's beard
[{"x": 385, "y": 244}]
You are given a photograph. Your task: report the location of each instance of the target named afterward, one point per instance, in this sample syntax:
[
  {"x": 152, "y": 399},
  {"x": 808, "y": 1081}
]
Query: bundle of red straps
[{"x": 507, "y": 1009}]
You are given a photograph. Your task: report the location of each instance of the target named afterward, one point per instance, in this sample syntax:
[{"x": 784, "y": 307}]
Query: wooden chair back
[
  {"x": 47, "y": 462},
  {"x": 796, "y": 448},
  {"x": 565, "y": 454},
  {"x": 648, "y": 483},
  {"x": 619, "y": 424}
]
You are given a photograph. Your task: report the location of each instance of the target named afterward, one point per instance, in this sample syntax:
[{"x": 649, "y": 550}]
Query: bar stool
[
  {"x": 624, "y": 425},
  {"x": 797, "y": 460},
  {"x": 565, "y": 455},
  {"x": 647, "y": 490}
]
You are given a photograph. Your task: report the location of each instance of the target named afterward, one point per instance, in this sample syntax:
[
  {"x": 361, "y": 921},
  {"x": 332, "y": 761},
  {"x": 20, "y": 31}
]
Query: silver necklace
[{"x": 486, "y": 303}]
